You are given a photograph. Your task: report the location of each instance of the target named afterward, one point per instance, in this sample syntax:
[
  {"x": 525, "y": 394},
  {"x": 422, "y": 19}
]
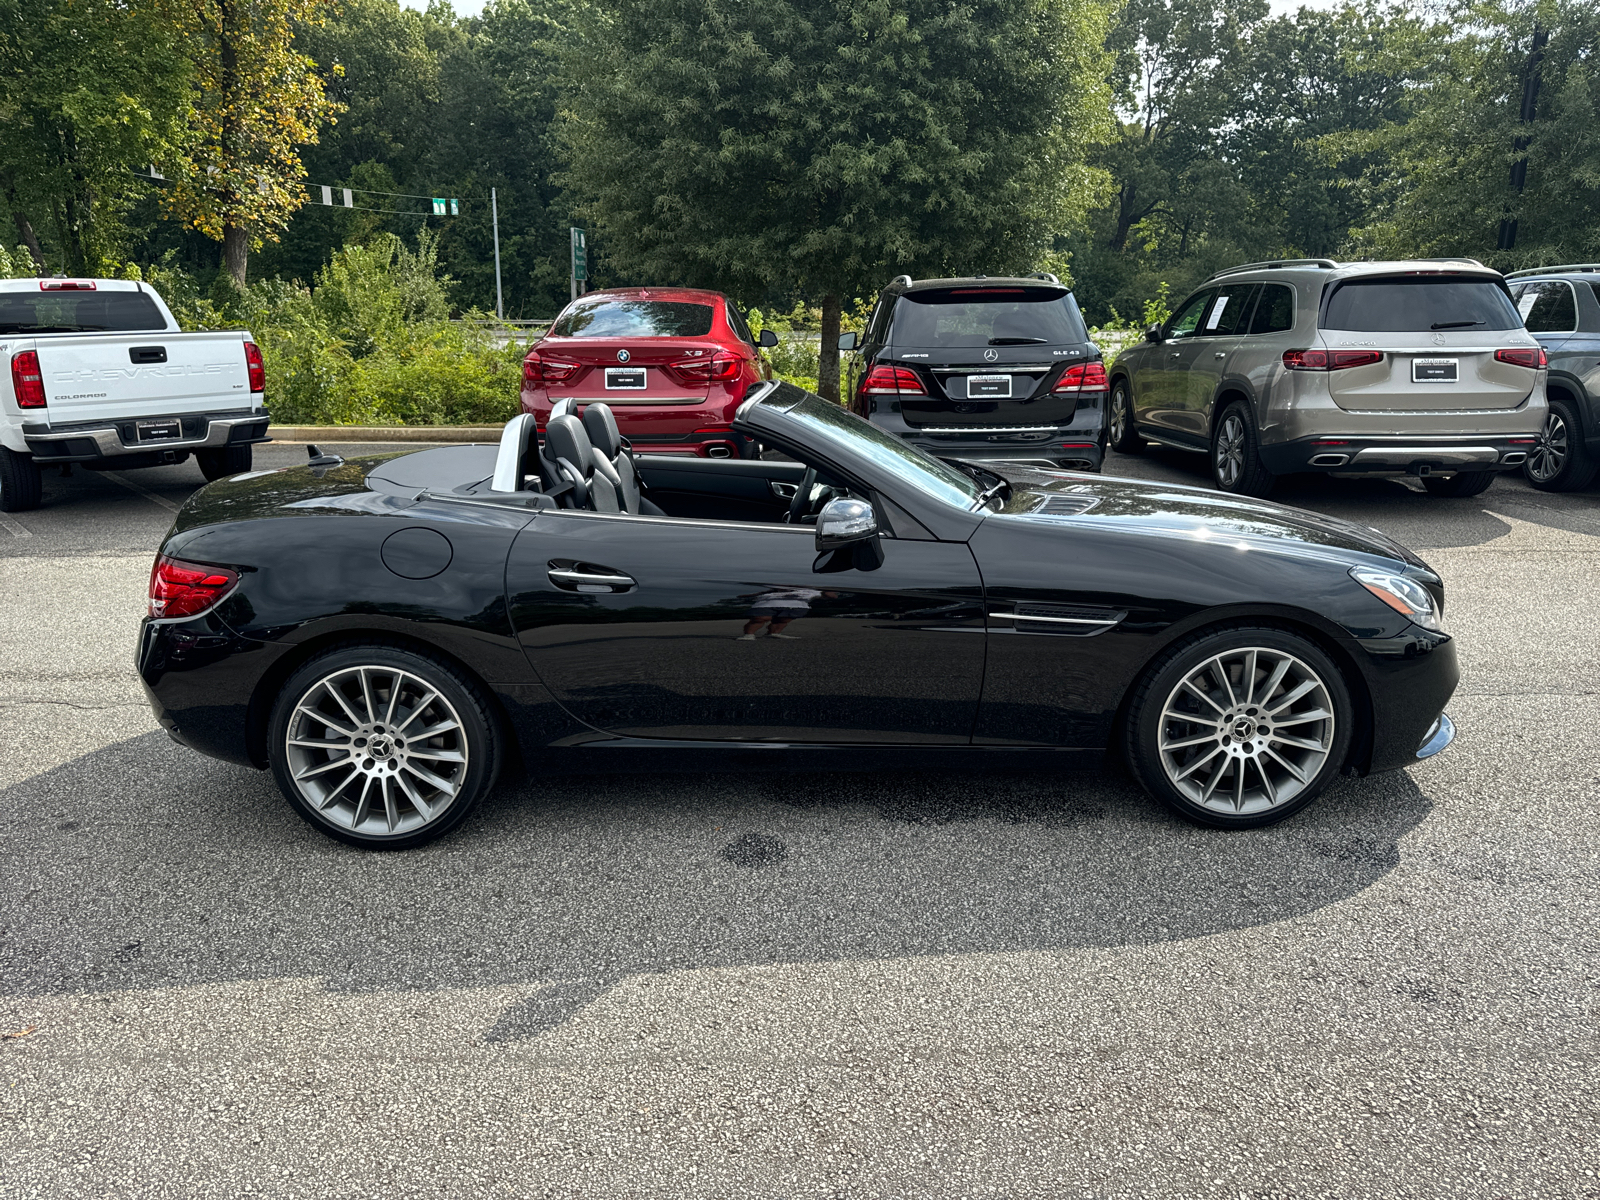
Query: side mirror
[
  {"x": 848, "y": 341},
  {"x": 1153, "y": 334},
  {"x": 844, "y": 522},
  {"x": 767, "y": 338}
]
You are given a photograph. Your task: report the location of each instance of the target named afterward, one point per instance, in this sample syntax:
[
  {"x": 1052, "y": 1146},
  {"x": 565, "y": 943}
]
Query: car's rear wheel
[
  {"x": 219, "y": 464},
  {"x": 382, "y": 747},
  {"x": 1124, "y": 438},
  {"x": 1462, "y": 483},
  {"x": 1559, "y": 462},
  {"x": 1236, "y": 454},
  {"x": 21, "y": 486},
  {"x": 1240, "y": 727}
]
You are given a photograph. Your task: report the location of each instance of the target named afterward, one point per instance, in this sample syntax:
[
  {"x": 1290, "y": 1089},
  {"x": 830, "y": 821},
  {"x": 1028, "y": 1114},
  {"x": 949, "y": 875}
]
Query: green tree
[
  {"x": 828, "y": 145},
  {"x": 257, "y": 101},
  {"x": 89, "y": 90}
]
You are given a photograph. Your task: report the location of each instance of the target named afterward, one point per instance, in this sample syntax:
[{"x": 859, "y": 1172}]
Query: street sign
[
  {"x": 438, "y": 206},
  {"x": 455, "y": 208},
  {"x": 580, "y": 255}
]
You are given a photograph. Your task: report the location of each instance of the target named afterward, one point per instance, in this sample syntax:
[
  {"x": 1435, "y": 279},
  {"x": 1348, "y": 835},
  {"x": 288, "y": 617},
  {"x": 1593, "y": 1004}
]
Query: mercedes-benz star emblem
[
  {"x": 1438, "y": 339},
  {"x": 991, "y": 355},
  {"x": 623, "y": 356}
]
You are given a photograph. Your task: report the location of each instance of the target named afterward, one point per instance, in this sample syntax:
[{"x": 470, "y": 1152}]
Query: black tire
[
  {"x": 1236, "y": 465},
  {"x": 414, "y": 810},
  {"x": 21, "y": 485},
  {"x": 219, "y": 464},
  {"x": 1125, "y": 438},
  {"x": 1462, "y": 483},
  {"x": 1560, "y": 462},
  {"x": 1249, "y": 733}
]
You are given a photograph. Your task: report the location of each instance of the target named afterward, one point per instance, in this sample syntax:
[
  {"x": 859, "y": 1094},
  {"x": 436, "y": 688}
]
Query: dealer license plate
[
  {"x": 988, "y": 387},
  {"x": 158, "y": 431},
  {"x": 628, "y": 379},
  {"x": 1435, "y": 370}
]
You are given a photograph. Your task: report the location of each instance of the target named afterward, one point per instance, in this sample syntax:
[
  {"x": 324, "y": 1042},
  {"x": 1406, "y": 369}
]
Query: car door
[
  {"x": 1159, "y": 383},
  {"x": 642, "y": 626},
  {"x": 1209, "y": 351}
]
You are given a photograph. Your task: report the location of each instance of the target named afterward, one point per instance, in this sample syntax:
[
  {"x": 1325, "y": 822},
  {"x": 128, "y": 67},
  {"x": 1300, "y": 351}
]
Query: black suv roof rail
[
  {"x": 1277, "y": 262},
  {"x": 1554, "y": 270}
]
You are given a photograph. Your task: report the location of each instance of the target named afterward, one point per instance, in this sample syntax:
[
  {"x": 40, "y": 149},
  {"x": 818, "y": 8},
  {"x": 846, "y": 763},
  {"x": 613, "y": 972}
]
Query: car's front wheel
[
  {"x": 1239, "y": 728},
  {"x": 1236, "y": 464},
  {"x": 21, "y": 486},
  {"x": 1559, "y": 462},
  {"x": 1124, "y": 438},
  {"x": 383, "y": 747},
  {"x": 219, "y": 464}
]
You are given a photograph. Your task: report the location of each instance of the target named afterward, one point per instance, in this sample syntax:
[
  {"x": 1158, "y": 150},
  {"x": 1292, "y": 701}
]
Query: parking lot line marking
[
  {"x": 143, "y": 491},
  {"x": 14, "y": 528}
]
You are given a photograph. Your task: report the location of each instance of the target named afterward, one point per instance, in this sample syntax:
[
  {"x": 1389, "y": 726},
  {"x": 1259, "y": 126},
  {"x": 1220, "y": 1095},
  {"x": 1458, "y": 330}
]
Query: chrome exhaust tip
[
  {"x": 718, "y": 452},
  {"x": 1513, "y": 457},
  {"x": 1329, "y": 460}
]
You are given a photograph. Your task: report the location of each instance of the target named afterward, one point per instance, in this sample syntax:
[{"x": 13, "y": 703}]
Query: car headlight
[{"x": 1401, "y": 593}]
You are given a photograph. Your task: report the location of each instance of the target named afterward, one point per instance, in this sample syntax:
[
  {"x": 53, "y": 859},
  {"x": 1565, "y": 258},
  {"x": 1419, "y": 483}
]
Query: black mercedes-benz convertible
[{"x": 390, "y": 633}]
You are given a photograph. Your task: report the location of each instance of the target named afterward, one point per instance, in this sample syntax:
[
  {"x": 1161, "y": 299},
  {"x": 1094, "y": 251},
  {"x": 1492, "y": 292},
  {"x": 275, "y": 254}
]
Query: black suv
[{"x": 987, "y": 367}]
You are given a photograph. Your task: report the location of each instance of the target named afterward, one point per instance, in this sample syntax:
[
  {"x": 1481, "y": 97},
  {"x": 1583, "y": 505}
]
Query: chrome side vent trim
[
  {"x": 1059, "y": 619},
  {"x": 1070, "y": 505}
]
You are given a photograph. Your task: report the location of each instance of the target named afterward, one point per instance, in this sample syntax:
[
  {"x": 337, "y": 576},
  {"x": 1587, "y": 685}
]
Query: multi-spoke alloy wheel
[
  {"x": 1230, "y": 451},
  {"x": 1550, "y": 451},
  {"x": 1559, "y": 461},
  {"x": 382, "y": 750},
  {"x": 1241, "y": 727}
]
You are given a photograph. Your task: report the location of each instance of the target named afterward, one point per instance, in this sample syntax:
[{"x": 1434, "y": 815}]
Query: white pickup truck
[{"x": 96, "y": 371}]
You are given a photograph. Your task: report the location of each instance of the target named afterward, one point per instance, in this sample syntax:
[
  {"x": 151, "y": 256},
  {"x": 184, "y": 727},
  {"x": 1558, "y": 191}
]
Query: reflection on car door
[
  {"x": 1206, "y": 356},
  {"x": 639, "y": 626},
  {"x": 1159, "y": 388}
]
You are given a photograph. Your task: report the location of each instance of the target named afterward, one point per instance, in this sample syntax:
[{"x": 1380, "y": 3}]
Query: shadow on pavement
[{"x": 144, "y": 865}]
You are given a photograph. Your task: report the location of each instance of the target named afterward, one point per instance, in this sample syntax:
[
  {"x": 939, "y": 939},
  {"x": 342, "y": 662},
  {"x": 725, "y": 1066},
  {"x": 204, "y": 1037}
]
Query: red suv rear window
[{"x": 611, "y": 317}]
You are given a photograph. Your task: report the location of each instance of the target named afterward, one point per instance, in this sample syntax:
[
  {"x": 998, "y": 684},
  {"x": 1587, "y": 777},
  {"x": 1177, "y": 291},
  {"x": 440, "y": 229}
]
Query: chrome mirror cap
[{"x": 843, "y": 522}]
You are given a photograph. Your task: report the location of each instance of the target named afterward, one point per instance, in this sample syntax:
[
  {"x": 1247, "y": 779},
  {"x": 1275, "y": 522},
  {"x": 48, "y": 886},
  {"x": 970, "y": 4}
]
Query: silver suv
[{"x": 1420, "y": 368}]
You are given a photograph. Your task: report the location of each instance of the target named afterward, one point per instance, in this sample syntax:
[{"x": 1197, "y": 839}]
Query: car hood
[{"x": 1172, "y": 509}]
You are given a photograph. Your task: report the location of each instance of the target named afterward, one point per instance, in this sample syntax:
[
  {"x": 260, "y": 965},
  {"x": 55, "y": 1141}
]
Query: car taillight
[
  {"x": 721, "y": 367},
  {"x": 1534, "y": 358},
  {"x": 537, "y": 369},
  {"x": 182, "y": 589},
  {"x": 26, "y": 379},
  {"x": 67, "y": 285},
  {"x": 1330, "y": 360},
  {"x": 1083, "y": 377},
  {"x": 256, "y": 368},
  {"x": 892, "y": 381}
]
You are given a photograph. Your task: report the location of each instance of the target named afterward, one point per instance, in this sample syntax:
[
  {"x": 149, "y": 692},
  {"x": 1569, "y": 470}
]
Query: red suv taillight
[
  {"x": 721, "y": 367},
  {"x": 537, "y": 369},
  {"x": 1330, "y": 360},
  {"x": 892, "y": 381},
  {"x": 1534, "y": 358},
  {"x": 182, "y": 589},
  {"x": 256, "y": 368},
  {"x": 1084, "y": 377},
  {"x": 26, "y": 380}
]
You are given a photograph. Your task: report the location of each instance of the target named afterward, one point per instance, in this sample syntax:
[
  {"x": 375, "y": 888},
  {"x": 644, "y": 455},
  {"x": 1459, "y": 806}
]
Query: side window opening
[
  {"x": 1227, "y": 313},
  {"x": 1547, "y": 307},
  {"x": 1274, "y": 310},
  {"x": 1188, "y": 318}
]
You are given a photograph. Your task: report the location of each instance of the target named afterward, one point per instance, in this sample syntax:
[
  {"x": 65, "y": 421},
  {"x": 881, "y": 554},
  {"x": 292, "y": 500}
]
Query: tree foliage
[{"x": 826, "y": 146}]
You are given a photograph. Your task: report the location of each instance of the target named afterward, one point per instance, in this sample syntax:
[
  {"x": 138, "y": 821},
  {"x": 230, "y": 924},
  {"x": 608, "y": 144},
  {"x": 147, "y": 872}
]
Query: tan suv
[{"x": 1420, "y": 368}]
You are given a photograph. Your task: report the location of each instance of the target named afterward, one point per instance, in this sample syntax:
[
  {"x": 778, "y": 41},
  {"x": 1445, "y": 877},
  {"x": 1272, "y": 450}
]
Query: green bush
[{"x": 370, "y": 343}]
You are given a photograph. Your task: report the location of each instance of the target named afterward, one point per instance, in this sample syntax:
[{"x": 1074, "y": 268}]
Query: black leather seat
[
  {"x": 613, "y": 460},
  {"x": 572, "y": 460}
]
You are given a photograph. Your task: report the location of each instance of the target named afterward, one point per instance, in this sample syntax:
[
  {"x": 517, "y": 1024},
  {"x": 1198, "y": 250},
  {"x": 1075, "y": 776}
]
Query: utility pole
[
  {"x": 1530, "y": 100},
  {"x": 499, "y": 300}
]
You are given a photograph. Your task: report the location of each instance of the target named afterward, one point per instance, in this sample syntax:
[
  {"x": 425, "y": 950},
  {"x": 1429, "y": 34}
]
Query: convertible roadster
[{"x": 391, "y": 633}]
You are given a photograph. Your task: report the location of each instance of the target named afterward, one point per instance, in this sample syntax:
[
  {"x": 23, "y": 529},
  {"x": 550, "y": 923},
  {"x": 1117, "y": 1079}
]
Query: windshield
[
  {"x": 94, "y": 312},
  {"x": 1420, "y": 304},
  {"x": 613, "y": 317},
  {"x": 836, "y": 426},
  {"x": 988, "y": 317}
]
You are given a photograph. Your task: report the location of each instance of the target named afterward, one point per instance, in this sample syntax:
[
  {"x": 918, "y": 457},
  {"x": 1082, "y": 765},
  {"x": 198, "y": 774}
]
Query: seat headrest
[
  {"x": 601, "y": 425},
  {"x": 565, "y": 438}
]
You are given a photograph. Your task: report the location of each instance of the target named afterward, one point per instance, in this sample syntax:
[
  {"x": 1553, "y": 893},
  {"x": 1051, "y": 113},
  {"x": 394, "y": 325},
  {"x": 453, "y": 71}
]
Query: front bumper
[
  {"x": 1410, "y": 678},
  {"x": 87, "y": 441},
  {"x": 1397, "y": 455}
]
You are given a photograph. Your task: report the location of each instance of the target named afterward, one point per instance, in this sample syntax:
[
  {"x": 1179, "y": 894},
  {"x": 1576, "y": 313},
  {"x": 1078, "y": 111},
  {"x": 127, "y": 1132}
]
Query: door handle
[
  {"x": 1176, "y": 354},
  {"x": 1220, "y": 354},
  {"x": 783, "y": 491},
  {"x": 585, "y": 577}
]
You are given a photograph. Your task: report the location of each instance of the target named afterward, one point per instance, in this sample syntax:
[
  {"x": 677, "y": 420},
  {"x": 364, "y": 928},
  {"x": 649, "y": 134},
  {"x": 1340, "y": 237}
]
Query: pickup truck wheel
[
  {"x": 21, "y": 487},
  {"x": 219, "y": 464}
]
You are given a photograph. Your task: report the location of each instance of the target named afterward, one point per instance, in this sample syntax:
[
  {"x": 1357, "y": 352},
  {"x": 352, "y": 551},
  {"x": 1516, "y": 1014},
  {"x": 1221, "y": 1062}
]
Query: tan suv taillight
[{"x": 1330, "y": 360}]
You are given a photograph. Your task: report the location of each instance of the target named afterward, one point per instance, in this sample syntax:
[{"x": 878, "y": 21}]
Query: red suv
[{"x": 672, "y": 363}]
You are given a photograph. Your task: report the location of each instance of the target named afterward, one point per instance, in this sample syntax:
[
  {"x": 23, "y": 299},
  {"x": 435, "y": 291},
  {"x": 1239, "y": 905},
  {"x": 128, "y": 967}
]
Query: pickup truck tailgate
[{"x": 153, "y": 372}]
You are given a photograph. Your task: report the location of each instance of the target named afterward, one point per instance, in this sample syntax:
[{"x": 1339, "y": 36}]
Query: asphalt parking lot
[{"x": 868, "y": 984}]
